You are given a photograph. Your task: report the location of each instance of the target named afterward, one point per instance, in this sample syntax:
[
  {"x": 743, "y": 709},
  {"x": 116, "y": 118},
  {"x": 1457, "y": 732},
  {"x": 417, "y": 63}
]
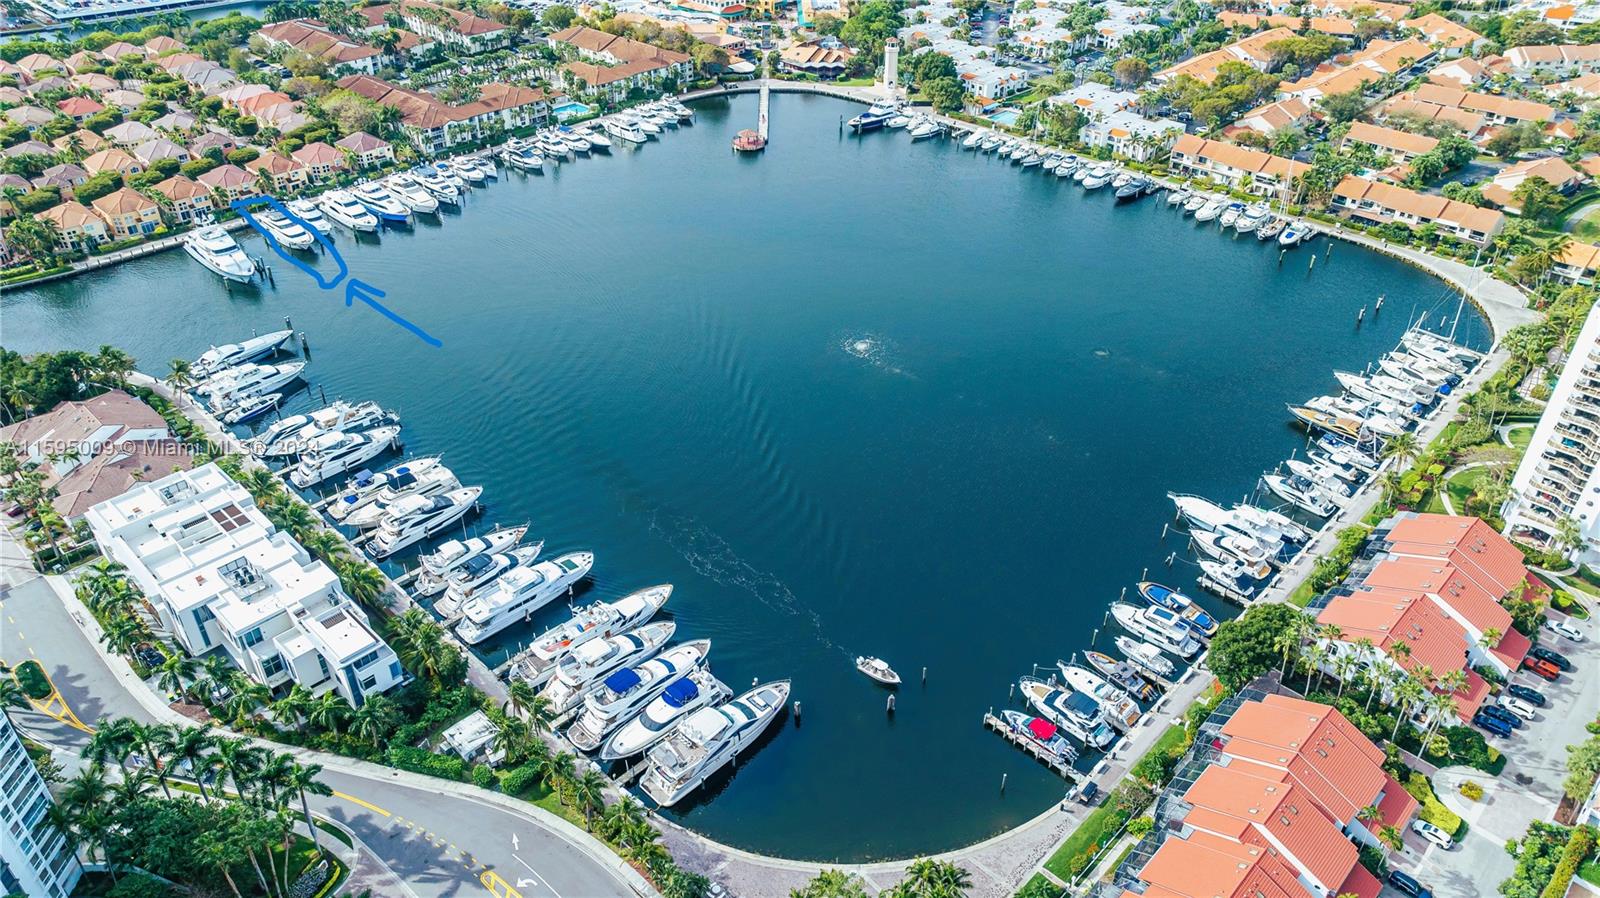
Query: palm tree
[
  {"x": 589, "y": 793},
  {"x": 1408, "y": 693},
  {"x": 511, "y": 738},
  {"x": 1369, "y": 814},
  {"x": 238, "y": 762},
  {"x": 191, "y": 747},
  {"x": 374, "y": 720},
  {"x": 112, "y": 743},
  {"x": 1402, "y": 448},
  {"x": 1289, "y": 638},
  {"x": 365, "y": 583},
  {"x": 113, "y": 364},
  {"x": 294, "y": 705},
  {"x": 178, "y": 673},
  {"x": 11, "y": 694},
  {"x": 558, "y": 773},
  {"x": 1390, "y": 836},
  {"x": 151, "y": 741},
  {"x": 1569, "y": 534},
  {"x": 180, "y": 378},
  {"x": 328, "y": 712},
  {"x": 303, "y": 782},
  {"x": 247, "y": 698},
  {"x": 122, "y": 633}
]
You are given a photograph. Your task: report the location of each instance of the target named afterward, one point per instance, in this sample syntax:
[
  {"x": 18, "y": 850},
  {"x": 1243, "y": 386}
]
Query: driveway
[{"x": 1527, "y": 790}]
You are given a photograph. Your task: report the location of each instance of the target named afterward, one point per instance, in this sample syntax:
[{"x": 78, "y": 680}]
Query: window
[
  {"x": 366, "y": 659},
  {"x": 251, "y": 637},
  {"x": 272, "y": 666},
  {"x": 395, "y": 670},
  {"x": 368, "y": 682}
]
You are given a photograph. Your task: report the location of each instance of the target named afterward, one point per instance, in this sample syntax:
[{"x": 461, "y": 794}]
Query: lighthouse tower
[{"x": 891, "y": 64}]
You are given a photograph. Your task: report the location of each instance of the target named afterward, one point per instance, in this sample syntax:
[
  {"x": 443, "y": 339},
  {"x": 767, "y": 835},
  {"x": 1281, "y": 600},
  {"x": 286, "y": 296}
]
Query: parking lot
[{"x": 1528, "y": 789}]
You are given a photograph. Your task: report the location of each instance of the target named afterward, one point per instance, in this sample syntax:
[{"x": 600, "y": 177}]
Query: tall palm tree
[
  {"x": 1408, "y": 693},
  {"x": 111, "y": 743},
  {"x": 238, "y": 762},
  {"x": 1402, "y": 448},
  {"x": 178, "y": 673},
  {"x": 1390, "y": 836},
  {"x": 558, "y": 772},
  {"x": 293, "y": 707},
  {"x": 374, "y": 720},
  {"x": 302, "y": 782},
  {"x": 365, "y": 583},
  {"x": 589, "y": 794},
  {"x": 191, "y": 748},
  {"x": 180, "y": 378},
  {"x": 328, "y": 712}
]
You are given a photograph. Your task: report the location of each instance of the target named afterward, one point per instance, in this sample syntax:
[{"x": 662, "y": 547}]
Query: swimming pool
[
  {"x": 569, "y": 110},
  {"x": 1005, "y": 117}
]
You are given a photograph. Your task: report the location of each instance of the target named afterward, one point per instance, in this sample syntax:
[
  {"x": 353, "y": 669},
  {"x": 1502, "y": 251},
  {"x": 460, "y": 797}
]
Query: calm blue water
[{"x": 850, "y": 396}]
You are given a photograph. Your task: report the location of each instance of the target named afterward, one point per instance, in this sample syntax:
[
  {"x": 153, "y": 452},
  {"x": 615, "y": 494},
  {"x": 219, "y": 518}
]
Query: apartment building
[
  {"x": 1555, "y": 59},
  {"x": 1251, "y": 51},
  {"x": 1252, "y": 170},
  {"x": 434, "y": 126},
  {"x": 1380, "y": 203},
  {"x": 1497, "y": 109},
  {"x": 1390, "y": 144},
  {"x": 36, "y": 859},
  {"x": 1115, "y": 123},
  {"x": 456, "y": 29},
  {"x": 219, "y": 574},
  {"x": 1579, "y": 263},
  {"x": 1557, "y": 480}
]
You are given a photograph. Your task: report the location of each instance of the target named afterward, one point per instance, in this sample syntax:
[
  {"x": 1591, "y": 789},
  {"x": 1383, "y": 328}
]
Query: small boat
[
  {"x": 1231, "y": 546},
  {"x": 213, "y": 247},
  {"x": 971, "y": 141},
  {"x": 1077, "y": 713},
  {"x": 228, "y": 355},
  {"x": 1167, "y": 597},
  {"x": 1270, "y": 229},
  {"x": 429, "y": 481},
  {"x": 1227, "y": 580},
  {"x": 437, "y": 185},
  {"x": 1301, "y": 494},
  {"x": 348, "y": 211},
  {"x": 647, "y": 124},
  {"x": 524, "y": 158},
  {"x": 585, "y": 670},
  {"x": 577, "y": 142},
  {"x": 1326, "y": 479},
  {"x": 1146, "y": 656},
  {"x": 1337, "y": 424},
  {"x": 284, "y": 231},
  {"x": 437, "y": 566},
  {"x": 596, "y": 140},
  {"x": 1131, "y": 190},
  {"x": 445, "y": 173},
  {"x": 252, "y": 408},
  {"x": 1195, "y": 203},
  {"x": 1352, "y": 466},
  {"x": 625, "y": 130},
  {"x": 310, "y": 216},
  {"x": 898, "y": 120},
  {"x": 1209, "y": 211},
  {"x": 924, "y": 129},
  {"x": 990, "y": 143},
  {"x": 1293, "y": 233},
  {"x": 1179, "y": 197},
  {"x": 1231, "y": 214},
  {"x": 1118, "y": 707},
  {"x": 1096, "y": 180},
  {"x": 1032, "y": 160},
  {"x": 1040, "y": 732},
  {"x": 877, "y": 669},
  {"x": 1122, "y": 674},
  {"x": 1252, "y": 218}
]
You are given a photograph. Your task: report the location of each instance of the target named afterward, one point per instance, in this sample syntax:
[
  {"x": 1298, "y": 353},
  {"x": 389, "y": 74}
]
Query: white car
[
  {"x": 1433, "y": 834},
  {"x": 1563, "y": 628},
  {"x": 1518, "y": 707}
]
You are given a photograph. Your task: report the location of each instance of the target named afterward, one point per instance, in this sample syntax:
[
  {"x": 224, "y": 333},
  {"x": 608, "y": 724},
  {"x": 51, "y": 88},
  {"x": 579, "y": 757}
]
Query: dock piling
[
  {"x": 924, "y": 675},
  {"x": 889, "y": 707},
  {"x": 1002, "y": 784}
]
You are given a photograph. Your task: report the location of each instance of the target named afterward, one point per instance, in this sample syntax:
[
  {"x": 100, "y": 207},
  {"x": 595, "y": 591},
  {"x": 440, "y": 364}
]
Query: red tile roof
[
  {"x": 1289, "y": 815},
  {"x": 1466, "y": 596},
  {"x": 1320, "y": 749}
]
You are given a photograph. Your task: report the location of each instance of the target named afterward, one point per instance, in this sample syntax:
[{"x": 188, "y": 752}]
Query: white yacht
[
  {"x": 1146, "y": 656},
  {"x": 659, "y": 718},
  {"x": 381, "y": 202},
  {"x": 596, "y": 140},
  {"x": 337, "y": 453},
  {"x": 581, "y": 672},
  {"x": 1073, "y": 711},
  {"x": 415, "y": 518},
  {"x": 971, "y": 141},
  {"x": 367, "y": 489},
  {"x": 228, "y": 355},
  {"x": 440, "y": 188},
  {"x": 215, "y": 248},
  {"x": 625, "y": 130},
  {"x": 1267, "y": 527},
  {"x": 708, "y": 740},
  {"x": 537, "y": 663},
  {"x": 1210, "y": 210},
  {"x": 923, "y": 129},
  {"x": 626, "y": 692},
  {"x": 1228, "y": 579},
  {"x": 241, "y": 382},
  {"x": 293, "y": 434},
  {"x": 343, "y": 208},
  {"x": 1300, "y": 493},
  {"x": 1161, "y": 627},
  {"x": 577, "y": 142},
  {"x": 310, "y": 216},
  {"x": 1327, "y": 479},
  {"x": 432, "y": 481},
  {"x": 479, "y": 574},
  {"x": 414, "y": 195},
  {"x": 251, "y": 408},
  {"x": 524, "y": 157},
  {"x": 519, "y": 594},
  {"x": 288, "y": 233},
  {"x": 437, "y": 566},
  {"x": 1230, "y": 545},
  {"x": 1118, "y": 707},
  {"x": 1195, "y": 203}
]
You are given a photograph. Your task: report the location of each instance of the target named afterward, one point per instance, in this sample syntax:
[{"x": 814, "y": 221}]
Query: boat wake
[
  {"x": 873, "y": 350},
  {"x": 714, "y": 558}
]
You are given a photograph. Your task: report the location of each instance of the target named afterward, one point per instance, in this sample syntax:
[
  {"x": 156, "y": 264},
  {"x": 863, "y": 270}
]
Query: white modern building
[
  {"x": 1558, "y": 476},
  {"x": 1114, "y": 122},
  {"x": 219, "y": 574},
  {"x": 35, "y": 858}
]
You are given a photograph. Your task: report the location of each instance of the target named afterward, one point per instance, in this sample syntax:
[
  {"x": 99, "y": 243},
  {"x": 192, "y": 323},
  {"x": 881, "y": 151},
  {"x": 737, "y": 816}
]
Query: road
[{"x": 431, "y": 838}]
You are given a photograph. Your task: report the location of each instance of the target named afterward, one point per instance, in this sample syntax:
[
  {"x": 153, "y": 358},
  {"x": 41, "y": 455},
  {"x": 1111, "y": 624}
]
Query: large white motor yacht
[
  {"x": 333, "y": 454},
  {"x": 215, "y": 248},
  {"x": 415, "y": 518},
  {"x": 708, "y": 740},
  {"x": 519, "y": 594}
]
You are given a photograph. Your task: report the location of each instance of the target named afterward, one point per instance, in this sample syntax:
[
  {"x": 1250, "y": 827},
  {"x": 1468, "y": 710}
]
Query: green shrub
[
  {"x": 1579, "y": 845},
  {"x": 421, "y": 760},
  {"x": 483, "y": 777},
  {"x": 1433, "y": 810},
  {"x": 1537, "y": 856},
  {"x": 31, "y": 677},
  {"x": 520, "y": 779},
  {"x": 1471, "y": 791}
]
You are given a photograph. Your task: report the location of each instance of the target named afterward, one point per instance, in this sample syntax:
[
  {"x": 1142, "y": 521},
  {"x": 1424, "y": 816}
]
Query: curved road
[{"x": 430, "y": 838}]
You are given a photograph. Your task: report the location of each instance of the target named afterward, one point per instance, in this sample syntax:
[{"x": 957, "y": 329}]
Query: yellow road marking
[
  {"x": 497, "y": 886},
  {"x": 369, "y": 806},
  {"x": 55, "y": 705}
]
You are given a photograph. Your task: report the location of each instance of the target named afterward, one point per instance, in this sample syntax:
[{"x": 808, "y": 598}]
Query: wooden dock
[{"x": 1059, "y": 765}]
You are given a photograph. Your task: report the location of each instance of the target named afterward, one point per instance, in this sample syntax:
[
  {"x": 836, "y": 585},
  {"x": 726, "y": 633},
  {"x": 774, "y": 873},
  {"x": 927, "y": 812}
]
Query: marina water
[{"x": 855, "y": 396}]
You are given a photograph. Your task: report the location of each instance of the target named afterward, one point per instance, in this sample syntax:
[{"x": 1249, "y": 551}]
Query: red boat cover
[{"x": 1041, "y": 729}]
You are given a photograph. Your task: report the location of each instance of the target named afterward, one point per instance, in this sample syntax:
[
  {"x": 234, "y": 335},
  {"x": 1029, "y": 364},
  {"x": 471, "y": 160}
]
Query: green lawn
[
  {"x": 1520, "y": 437},
  {"x": 1589, "y": 871},
  {"x": 1303, "y": 594},
  {"x": 1460, "y": 485},
  {"x": 1097, "y": 827}
]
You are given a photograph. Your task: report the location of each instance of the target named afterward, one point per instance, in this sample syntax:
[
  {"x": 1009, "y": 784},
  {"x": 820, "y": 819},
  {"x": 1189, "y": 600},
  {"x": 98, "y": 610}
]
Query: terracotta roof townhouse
[
  {"x": 115, "y": 51},
  {"x": 79, "y": 108},
  {"x": 1554, "y": 58},
  {"x": 1275, "y": 117},
  {"x": 1251, "y": 50},
  {"x": 1380, "y": 203},
  {"x": 442, "y": 24},
  {"x": 1390, "y": 143},
  {"x": 30, "y": 117},
  {"x": 63, "y": 177},
  {"x": 1497, "y": 109},
  {"x": 231, "y": 180},
  {"x": 161, "y": 44},
  {"x": 159, "y": 148},
  {"x": 1579, "y": 263},
  {"x": 1470, "y": 123},
  {"x": 112, "y": 159},
  {"x": 285, "y": 173},
  {"x": 1445, "y": 34},
  {"x": 1460, "y": 73},
  {"x": 1338, "y": 27},
  {"x": 128, "y": 213},
  {"x": 1554, "y": 170},
  {"x": 83, "y": 140},
  {"x": 614, "y": 64},
  {"x": 185, "y": 198},
  {"x": 433, "y": 126},
  {"x": 77, "y": 227},
  {"x": 125, "y": 100},
  {"x": 94, "y": 81},
  {"x": 313, "y": 38},
  {"x": 366, "y": 150},
  {"x": 319, "y": 160},
  {"x": 106, "y": 445},
  {"x": 36, "y": 64},
  {"x": 1255, "y": 171}
]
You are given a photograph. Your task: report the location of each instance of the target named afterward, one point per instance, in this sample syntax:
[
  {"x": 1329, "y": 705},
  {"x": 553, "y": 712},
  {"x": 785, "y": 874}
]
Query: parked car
[
  {"x": 1493, "y": 724},
  {"x": 1433, "y": 834},
  {"x": 1541, "y": 667},
  {"x": 1407, "y": 885},
  {"x": 1527, "y": 693},
  {"x": 1565, "y": 628},
  {"x": 1496, "y": 711},
  {"x": 1518, "y": 707},
  {"x": 1551, "y": 655},
  {"x": 149, "y": 655}
]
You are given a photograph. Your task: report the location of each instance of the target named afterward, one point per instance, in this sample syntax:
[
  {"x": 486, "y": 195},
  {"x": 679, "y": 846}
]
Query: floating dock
[{"x": 1048, "y": 759}]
